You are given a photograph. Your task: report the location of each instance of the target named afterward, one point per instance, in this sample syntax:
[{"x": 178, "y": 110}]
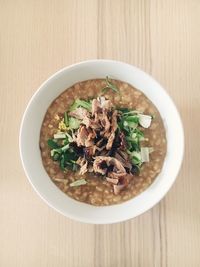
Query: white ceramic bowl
[{"x": 30, "y": 131}]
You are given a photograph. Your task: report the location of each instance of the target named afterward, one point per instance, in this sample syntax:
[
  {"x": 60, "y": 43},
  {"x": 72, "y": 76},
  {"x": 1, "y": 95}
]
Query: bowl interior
[{"x": 30, "y": 131}]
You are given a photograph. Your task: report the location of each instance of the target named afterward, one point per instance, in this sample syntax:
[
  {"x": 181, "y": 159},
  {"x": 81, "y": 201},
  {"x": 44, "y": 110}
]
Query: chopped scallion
[
  {"x": 74, "y": 123},
  {"x": 78, "y": 182},
  {"x": 52, "y": 144},
  {"x": 66, "y": 119},
  {"x": 59, "y": 136}
]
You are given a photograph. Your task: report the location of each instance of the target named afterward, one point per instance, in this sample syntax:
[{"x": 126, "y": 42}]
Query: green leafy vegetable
[
  {"x": 56, "y": 156},
  {"x": 59, "y": 150},
  {"x": 56, "y": 150},
  {"x": 62, "y": 162},
  {"x": 74, "y": 123},
  {"x": 128, "y": 112},
  {"x": 110, "y": 85},
  {"x": 52, "y": 144},
  {"x": 81, "y": 103},
  {"x": 145, "y": 154},
  {"x": 59, "y": 136},
  {"x": 66, "y": 156},
  {"x": 66, "y": 119},
  {"x": 133, "y": 118},
  {"x": 123, "y": 110},
  {"x": 129, "y": 123},
  {"x": 136, "y": 158},
  {"x": 64, "y": 148},
  {"x": 138, "y": 134},
  {"x": 69, "y": 138},
  {"x": 78, "y": 182},
  {"x": 135, "y": 146}
]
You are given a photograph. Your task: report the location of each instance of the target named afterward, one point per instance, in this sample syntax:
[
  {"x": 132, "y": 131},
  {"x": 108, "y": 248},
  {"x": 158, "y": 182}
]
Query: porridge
[{"x": 102, "y": 142}]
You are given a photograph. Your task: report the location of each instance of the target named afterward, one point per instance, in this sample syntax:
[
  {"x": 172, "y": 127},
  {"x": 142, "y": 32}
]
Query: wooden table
[{"x": 40, "y": 37}]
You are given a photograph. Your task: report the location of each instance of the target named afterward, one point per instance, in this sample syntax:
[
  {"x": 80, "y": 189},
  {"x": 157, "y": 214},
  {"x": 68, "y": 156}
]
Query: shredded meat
[
  {"x": 89, "y": 123},
  {"x": 84, "y": 168},
  {"x": 105, "y": 123},
  {"x": 124, "y": 160},
  {"x": 112, "y": 180},
  {"x": 113, "y": 130},
  {"x": 123, "y": 144},
  {"x": 102, "y": 145},
  {"x": 90, "y": 151},
  {"x": 83, "y": 165},
  {"x": 95, "y": 106},
  {"x": 79, "y": 113},
  {"x": 106, "y": 104},
  {"x": 80, "y": 161},
  {"x": 103, "y": 152},
  {"x": 110, "y": 141},
  {"x": 81, "y": 136},
  {"x": 85, "y": 137},
  {"x": 90, "y": 138},
  {"x": 101, "y": 164},
  {"x": 90, "y": 168}
]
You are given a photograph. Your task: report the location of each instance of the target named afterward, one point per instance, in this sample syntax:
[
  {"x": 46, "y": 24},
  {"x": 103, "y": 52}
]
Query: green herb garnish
[
  {"x": 66, "y": 119},
  {"x": 74, "y": 123},
  {"x": 129, "y": 123},
  {"x": 52, "y": 144},
  {"x": 78, "y": 182},
  {"x": 110, "y": 85},
  {"x": 81, "y": 103}
]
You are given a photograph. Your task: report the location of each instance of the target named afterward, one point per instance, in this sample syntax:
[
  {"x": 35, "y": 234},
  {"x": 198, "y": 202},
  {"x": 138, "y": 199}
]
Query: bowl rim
[{"x": 87, "y": 220}]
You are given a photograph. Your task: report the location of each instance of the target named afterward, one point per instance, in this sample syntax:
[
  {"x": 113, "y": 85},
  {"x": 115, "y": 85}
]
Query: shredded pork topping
[
  {"x": 94, "y": 133},
  {"x": 96, "y": 136}
]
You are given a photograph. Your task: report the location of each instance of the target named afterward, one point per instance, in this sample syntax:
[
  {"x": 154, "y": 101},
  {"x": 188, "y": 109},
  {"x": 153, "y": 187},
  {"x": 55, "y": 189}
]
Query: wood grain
[{"x": 39, "y": 37}]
